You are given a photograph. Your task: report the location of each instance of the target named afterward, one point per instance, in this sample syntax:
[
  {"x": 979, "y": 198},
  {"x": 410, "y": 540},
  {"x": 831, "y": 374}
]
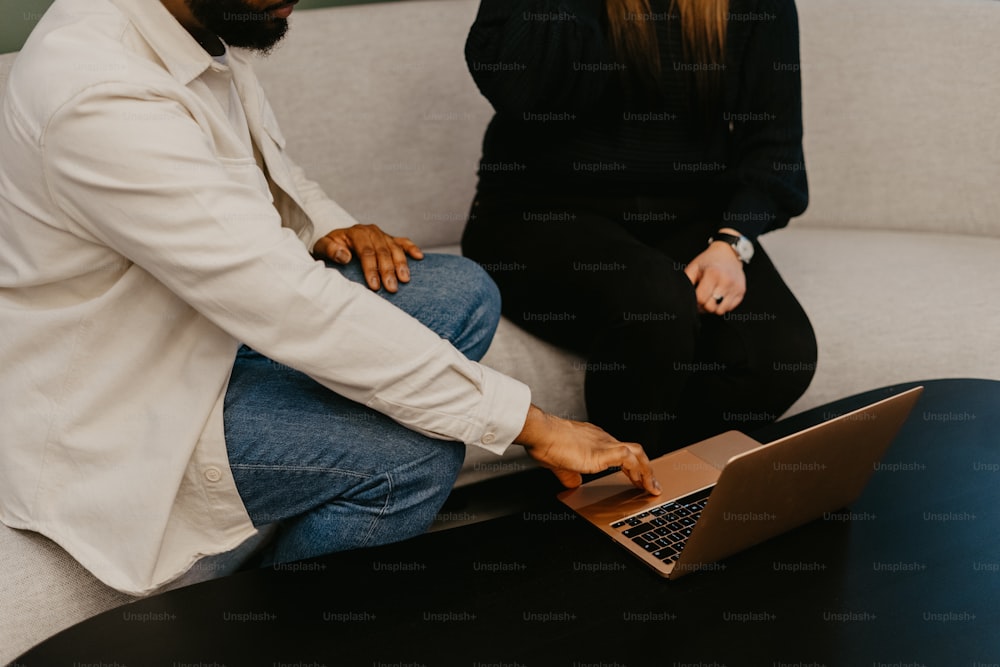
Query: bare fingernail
[{"x": 342, "y": 256}]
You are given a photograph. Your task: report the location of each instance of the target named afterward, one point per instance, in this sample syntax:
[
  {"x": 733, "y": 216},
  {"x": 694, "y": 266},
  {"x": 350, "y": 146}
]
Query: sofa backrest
[
  {"x": 899, "y": 97},
  {"x": 378, "y": 106},
  {"x": 900, "y": 100},
  {"x": 900, "y": 103}
]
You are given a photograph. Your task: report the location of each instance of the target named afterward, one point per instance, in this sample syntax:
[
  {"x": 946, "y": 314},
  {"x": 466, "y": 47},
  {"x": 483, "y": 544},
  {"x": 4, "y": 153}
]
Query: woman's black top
[{"x": 572, "y": 120}]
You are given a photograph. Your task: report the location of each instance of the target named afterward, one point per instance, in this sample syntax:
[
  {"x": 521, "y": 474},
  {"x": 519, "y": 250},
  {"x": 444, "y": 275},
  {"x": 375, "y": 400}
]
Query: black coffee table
[{"x": 909, "y": 575}]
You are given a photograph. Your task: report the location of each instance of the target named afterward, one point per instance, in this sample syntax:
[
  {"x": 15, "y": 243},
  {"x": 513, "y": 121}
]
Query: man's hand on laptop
[
  {"x": 383, "y": 257},
  {"x": 569, "y": 448}
]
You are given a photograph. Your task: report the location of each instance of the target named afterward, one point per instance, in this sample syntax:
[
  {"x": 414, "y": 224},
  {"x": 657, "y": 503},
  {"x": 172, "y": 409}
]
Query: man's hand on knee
[{"x": 383, "y": 257}]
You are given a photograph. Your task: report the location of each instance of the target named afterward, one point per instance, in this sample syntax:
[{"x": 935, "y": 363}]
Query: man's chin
[
  {"x": 260, "y": 42},
  {"x": 239, "y": 24}
]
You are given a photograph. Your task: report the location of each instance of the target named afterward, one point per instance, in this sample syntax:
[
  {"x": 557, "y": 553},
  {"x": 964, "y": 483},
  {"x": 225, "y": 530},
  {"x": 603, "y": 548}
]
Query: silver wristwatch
[{"x": 740, "y": 244}]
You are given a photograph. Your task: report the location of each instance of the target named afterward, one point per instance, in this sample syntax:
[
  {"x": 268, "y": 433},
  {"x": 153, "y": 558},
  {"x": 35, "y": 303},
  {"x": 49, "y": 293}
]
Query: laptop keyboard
[{"x": 663, "y": 530}]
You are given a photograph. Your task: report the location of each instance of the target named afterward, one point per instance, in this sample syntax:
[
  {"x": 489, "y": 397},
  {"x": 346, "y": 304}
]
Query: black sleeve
[
  {"x": 539, "y": 55},
  {"x": 769, "y": 168}
]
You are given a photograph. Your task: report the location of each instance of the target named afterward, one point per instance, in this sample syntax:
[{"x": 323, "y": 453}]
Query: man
[{"x": 183, "y": 357}]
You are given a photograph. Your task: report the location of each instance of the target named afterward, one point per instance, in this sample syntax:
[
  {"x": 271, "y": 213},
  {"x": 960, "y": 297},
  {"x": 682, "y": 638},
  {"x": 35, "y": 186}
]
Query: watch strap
[{"x": 734, "y": 242}]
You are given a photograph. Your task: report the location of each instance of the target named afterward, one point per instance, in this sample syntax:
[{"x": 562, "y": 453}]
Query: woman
[{"x": 638, "y": 150}]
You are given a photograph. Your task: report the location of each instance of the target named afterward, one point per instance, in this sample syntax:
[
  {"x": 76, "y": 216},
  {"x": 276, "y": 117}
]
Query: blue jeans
[{"x": 335, "y": 474}]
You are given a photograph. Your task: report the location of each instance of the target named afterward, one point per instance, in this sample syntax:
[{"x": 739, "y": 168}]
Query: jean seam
[
  {"x": 385, "y": 508},
  {"x": 292, "y": 468}
]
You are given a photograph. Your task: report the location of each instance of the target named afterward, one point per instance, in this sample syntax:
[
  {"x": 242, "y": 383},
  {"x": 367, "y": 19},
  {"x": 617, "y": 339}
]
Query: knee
[
  {"x": 403, "y": 501},
  {"x": 423, "y": 488},
  {"x": 790, "y": 367},
  {"x": 484, "y": 296},
  {"x": 448, "y": 458},
  {"x": 804, "y": 354},
  {"x": 474, "y": 302}
]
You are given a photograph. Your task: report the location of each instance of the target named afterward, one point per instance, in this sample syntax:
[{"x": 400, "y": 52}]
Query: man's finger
[
  {"x": 333, "y": 249},
  {"x": 400, "y": 263},
  {"x": 635, "y": 464},
  {"x": 386, "y": 267},
  {"x": 369, "y": 266},
  {"x": 409, "y": 247},
  {"x": 372, "y": 245}
]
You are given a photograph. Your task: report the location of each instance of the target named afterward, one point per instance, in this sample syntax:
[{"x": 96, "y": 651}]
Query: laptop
[{"x": 729, "y": 492}]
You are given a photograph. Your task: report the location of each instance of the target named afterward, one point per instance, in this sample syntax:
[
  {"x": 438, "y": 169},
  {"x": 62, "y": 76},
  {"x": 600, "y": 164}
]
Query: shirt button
[
  {"x": 213, "y": 474},
  {"x": 489, "y": 438}
]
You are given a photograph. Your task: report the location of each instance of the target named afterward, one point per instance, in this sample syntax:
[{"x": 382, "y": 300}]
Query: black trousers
[{"x": 605, "y": 278}]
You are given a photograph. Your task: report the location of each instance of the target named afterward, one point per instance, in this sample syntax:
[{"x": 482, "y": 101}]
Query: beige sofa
[{"x": 897, "y": 259}]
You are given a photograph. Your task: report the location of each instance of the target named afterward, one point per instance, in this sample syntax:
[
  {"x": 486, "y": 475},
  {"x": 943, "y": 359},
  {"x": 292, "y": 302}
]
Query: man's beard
[{"x": 237, "y": 24}]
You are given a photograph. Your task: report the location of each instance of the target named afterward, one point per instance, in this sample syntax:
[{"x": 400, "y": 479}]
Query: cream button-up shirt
[{"x": 141, "y": 245}]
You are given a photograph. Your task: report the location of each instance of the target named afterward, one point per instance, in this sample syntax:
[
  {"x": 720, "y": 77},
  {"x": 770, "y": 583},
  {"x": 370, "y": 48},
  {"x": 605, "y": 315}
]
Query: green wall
[{"x": 18, "y": 17}]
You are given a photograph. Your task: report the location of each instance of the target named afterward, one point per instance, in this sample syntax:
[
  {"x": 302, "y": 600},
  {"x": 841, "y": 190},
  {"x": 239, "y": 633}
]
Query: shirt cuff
[{"x": 505, "y": 409}]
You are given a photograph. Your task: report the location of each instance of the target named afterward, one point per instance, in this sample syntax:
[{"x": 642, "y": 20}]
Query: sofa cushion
[
  {"x": 887, "y": 307},
  {"x": 891, "y": 307},
  {"x": 43, "y": 590}
]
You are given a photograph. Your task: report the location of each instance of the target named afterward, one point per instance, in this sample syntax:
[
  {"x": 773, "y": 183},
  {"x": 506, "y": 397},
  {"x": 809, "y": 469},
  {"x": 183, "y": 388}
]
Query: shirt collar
[{"x": 181, "y": 54}]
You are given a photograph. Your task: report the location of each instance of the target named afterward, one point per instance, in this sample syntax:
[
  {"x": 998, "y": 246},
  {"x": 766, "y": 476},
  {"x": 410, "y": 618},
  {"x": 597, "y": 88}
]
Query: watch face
[{"x": 744, "y": 248}]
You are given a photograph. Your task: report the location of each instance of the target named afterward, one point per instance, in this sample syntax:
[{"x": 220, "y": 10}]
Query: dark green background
[{"x": 18, "y": 17}]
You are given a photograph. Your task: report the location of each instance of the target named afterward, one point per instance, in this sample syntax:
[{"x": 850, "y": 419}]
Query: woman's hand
[
  {"x": 382, "y": 257},
  {"x": 717, "y": 272},
  {"x": 569, "y": 448}
]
